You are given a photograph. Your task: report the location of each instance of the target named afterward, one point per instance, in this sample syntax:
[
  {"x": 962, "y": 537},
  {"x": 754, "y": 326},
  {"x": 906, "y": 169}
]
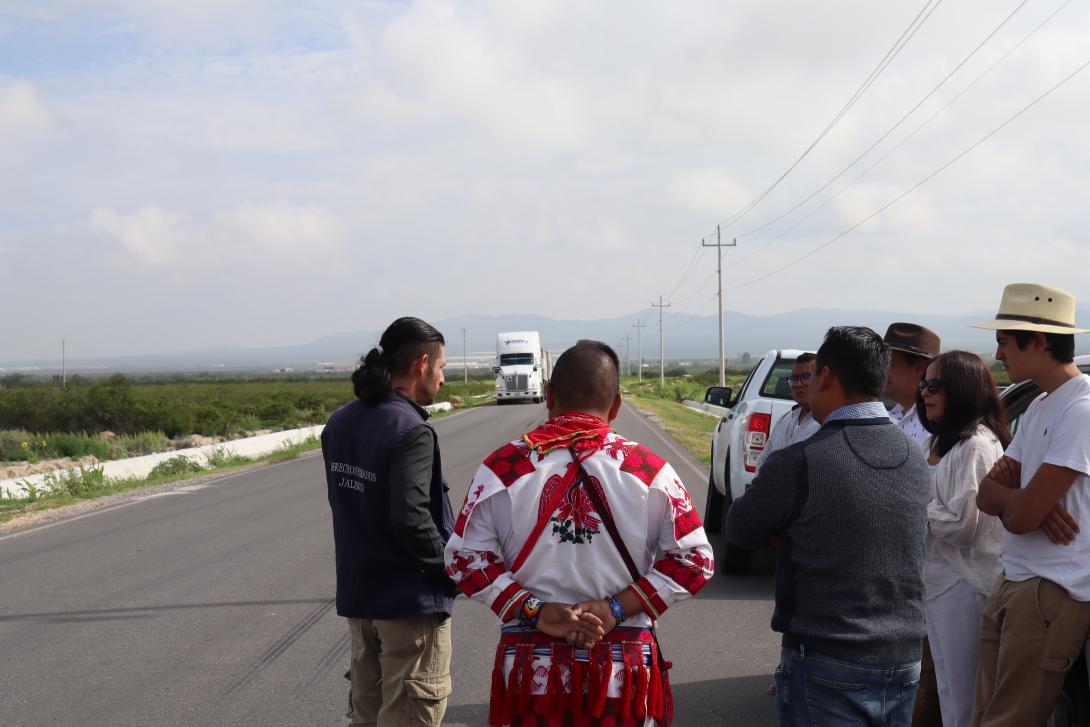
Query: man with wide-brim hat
[
  {"x": 912, "y": 348},
  {"x": 1035, "y": 622}
]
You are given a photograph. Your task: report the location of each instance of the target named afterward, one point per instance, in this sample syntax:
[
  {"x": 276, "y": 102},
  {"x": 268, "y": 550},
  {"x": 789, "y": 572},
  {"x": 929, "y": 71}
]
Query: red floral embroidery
[
  {"x": 685, "y": 517},
  {"x": 619, "y": 448},
  {"x": 690, "y": 571},
  {"x": 472, "y": 572},
  {"x": 576, "y": 521},
  {"x": 467, "y": 509},
  {"x": 643, "y": 463},
  {"x": 509, "y": 463}
]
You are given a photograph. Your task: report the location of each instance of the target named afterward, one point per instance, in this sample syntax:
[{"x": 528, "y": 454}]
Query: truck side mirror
[
  {"x": 718, "y": 395},
  {"x": 495, "y": 369},
  {"x": 535, "y": 367}
]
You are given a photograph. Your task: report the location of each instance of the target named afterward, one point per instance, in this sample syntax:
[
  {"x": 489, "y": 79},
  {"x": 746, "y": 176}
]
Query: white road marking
[{"x": 184, "y": 489}]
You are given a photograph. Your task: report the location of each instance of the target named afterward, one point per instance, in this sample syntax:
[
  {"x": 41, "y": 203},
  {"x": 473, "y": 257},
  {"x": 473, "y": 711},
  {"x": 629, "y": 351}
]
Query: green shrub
[
  {"x": 141, "y": 443},
  {"x": 173, "y": 467},
  {"x": 18, "y": 445},
  {"x": 81, "y": 482}
]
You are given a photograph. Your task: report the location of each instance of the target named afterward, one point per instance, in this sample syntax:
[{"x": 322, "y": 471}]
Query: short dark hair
[
  {"x": 971, "y": 400},
  {"x": 804, "y": 358},
  {"x": 586, "y": 377},
  {"x": 1060, "y": 346},
  {"x": 858, "y": 357},
  {"x": 404, "y": 341}
]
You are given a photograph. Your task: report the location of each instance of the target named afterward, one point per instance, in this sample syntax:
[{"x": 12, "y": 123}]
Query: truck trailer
[{"x": 522, "y": 367}]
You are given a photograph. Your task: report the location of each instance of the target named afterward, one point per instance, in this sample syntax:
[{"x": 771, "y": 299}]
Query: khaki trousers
[
  {"x": 1031, "y": 632},
  {"x": 400, "y": 671}
]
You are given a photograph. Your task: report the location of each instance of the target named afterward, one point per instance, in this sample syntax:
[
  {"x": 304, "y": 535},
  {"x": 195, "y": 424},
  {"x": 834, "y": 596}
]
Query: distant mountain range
[{"x": 686, "y": 337}]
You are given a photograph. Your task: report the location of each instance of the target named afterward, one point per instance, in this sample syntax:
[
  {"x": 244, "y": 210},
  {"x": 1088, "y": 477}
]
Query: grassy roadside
[
  {"x": 90, "y": 484},
  {"x": 692, "y": 429}
]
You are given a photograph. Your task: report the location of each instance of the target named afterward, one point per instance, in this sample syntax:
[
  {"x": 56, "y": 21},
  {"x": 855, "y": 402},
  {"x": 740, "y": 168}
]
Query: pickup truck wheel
[
  {"x": 730, "y": 558},
  {"x": 713, "y": 510}
]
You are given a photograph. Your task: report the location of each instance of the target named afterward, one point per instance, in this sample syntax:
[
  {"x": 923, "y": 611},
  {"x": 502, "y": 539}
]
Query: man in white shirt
[
  {"x": 913, "y": 349},
  {"x": 1035, "y": 622},
  {"x": 569, "y": 528},
  {"x": 796, "y": 425}
]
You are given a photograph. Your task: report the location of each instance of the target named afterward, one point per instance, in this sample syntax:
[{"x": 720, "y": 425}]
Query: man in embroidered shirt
[
  {"x": 1035, "y": 622},
  {"x": 849, "y": 506},
  {"x": 531, "y": 543},
  {"x": 912, "y": 349},
  {"x": 796, "y": 425}
]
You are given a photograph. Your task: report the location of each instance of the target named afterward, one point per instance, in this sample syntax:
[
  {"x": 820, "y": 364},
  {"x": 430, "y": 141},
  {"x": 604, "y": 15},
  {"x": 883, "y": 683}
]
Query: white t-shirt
[
  {"x": 1055, "y": 430},
  {"x": 909, "y": 422}
]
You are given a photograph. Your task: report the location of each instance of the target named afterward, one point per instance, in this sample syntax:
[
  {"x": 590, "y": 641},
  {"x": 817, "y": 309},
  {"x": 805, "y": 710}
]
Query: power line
[
  {"x": 916, "y": 186},
  {"x": 662, "y": 351},
  {"x": 760, "y": 248},
  {"x": 688, "y": 270},
  {"x": 700, "y": 312},
  {"x": 893, "y": 128},
  {"x": 893, "y": 52},
  {"x": 697, "y": 290}
]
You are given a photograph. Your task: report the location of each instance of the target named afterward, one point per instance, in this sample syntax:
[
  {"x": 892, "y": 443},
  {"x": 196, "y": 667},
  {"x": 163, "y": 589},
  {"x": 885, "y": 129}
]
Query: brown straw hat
[
  {"x": 1034, "y": 307},
  {"x": 913, "y": 339}
]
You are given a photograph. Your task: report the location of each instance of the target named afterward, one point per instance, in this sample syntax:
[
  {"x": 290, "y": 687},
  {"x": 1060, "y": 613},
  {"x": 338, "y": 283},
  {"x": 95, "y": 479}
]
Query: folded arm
[{"x": 953, "y": 515}]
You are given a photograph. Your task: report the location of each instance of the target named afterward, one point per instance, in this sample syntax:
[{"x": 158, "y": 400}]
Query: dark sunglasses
[
  {"x": 800, "y": 379},
  {"x": 932, "y": 385}
]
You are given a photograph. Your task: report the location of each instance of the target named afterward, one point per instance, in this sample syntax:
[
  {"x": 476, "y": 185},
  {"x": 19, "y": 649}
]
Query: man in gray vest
[
  {"x": 849, "y": 509},
  {"x": 391, "y": 521}
]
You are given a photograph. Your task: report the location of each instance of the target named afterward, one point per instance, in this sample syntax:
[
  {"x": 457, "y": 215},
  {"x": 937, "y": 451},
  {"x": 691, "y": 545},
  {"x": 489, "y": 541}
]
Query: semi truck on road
[{"x": 522, "y": 367}]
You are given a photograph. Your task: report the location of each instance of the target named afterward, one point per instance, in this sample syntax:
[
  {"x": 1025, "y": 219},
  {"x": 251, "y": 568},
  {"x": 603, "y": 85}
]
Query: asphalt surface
[{"x": 213, "y": 605}]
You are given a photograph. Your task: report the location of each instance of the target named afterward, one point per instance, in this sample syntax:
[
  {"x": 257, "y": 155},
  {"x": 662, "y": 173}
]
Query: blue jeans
[{"x": 813, "y": 689}]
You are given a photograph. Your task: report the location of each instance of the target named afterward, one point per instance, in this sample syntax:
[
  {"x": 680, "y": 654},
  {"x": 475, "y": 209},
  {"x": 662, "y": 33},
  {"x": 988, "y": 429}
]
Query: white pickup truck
[{"x": 746, "y": 420}]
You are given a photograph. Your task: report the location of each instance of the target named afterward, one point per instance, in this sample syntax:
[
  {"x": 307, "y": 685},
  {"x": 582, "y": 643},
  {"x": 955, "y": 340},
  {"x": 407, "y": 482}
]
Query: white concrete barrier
[
  {"x": 142, "y": 466},
  {"x": 705, "y": 408}
]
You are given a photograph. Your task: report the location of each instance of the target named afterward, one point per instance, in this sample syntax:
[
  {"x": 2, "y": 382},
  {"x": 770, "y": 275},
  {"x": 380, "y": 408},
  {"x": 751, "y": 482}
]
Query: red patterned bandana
[{"x": 567, "y": 429}]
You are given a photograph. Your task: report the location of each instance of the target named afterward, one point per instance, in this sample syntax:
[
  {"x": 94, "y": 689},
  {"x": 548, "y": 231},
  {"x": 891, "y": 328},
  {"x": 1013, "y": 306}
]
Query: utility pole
[
  {"x": 662, "y": 356},
  {"x": 64, "y": 368},
  {"x": 718, "y": 245},
  {"x": 465, "y": 362},
  {"x": 627, "y": 368},
  {"x": 639, "y": 349}
]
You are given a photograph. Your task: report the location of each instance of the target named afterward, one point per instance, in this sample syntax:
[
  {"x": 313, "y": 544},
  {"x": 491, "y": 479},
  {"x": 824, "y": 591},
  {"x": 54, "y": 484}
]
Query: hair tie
[{"x": 378, "y": 348}]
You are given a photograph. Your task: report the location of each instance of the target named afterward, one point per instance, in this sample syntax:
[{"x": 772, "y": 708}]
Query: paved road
[{"x": 213, "y": 605}]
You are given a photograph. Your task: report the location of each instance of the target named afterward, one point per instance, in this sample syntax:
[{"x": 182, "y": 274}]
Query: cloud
[
  {"x": 151, "y": 235},
  {"x": 280, "y": 229},
  {"x": 258, "y": 233},
  {"x": 708, "y": 192},
  {"x": 21, "y": 108},
  {"x": 515, "y": 155}
]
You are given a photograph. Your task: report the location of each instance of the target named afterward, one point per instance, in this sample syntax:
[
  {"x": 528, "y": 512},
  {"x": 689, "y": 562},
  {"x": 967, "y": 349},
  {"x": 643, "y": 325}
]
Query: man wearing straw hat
[{"x": 1035, "y": 622}]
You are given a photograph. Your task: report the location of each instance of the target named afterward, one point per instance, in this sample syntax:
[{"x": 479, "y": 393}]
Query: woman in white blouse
[{"x": 959, "y": 405}]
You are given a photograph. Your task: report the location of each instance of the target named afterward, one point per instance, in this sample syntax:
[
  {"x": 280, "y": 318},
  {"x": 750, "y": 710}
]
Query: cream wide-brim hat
[{"x": 1034, "y": 307}]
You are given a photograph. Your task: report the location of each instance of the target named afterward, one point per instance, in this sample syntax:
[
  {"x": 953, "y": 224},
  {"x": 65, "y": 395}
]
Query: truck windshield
[{"x": 517, "y": 359}]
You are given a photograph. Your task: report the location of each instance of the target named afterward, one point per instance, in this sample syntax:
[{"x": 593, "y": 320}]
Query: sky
[{"x": 240, "y": 173}]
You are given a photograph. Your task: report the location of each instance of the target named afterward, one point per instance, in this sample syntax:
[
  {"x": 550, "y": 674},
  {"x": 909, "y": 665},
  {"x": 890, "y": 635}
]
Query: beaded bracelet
[{"x": 529, "y": 612}]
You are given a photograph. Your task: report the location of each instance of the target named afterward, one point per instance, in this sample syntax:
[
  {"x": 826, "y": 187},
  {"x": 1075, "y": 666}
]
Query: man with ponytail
[{"x": 391, "y": 521}]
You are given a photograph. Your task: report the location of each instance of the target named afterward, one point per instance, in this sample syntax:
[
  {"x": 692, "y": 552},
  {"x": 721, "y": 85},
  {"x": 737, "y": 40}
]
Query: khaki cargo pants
[
  {"x": 400, "y": 671},
  {"x": 1030, "y": 635}
]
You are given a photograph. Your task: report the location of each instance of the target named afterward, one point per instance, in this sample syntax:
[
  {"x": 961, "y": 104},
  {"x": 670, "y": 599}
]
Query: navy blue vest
[{"x": 376, "y": 577}]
